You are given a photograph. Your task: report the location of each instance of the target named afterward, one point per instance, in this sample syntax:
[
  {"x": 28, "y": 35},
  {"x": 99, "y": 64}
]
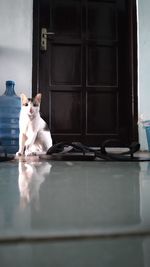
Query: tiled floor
[{"x": 73, "y": 213}]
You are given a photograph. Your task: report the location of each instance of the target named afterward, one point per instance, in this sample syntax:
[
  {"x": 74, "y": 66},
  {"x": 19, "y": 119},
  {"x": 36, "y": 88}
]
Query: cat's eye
[{"x": 35, "y": 105}]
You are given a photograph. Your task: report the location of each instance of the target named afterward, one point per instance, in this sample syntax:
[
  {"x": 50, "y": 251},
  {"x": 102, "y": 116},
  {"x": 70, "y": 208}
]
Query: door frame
[{"x": 132, "y": 49}]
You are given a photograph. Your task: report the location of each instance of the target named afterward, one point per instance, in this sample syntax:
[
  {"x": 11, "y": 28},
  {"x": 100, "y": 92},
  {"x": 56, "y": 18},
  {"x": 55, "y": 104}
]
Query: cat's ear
[
  {"x": 38, "y": 98},
  {"x": 24, "y": 99}
]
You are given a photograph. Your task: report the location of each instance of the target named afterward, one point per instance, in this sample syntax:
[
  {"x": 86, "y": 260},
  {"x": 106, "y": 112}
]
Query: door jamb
[{"x": 35, "y": 47}]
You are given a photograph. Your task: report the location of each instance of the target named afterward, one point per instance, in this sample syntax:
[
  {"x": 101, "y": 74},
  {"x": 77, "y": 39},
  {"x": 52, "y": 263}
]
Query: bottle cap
[{"x": 10, "y": 83}]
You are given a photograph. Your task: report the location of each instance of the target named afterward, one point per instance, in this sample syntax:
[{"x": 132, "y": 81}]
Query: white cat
[{"x": 34, "y": 137}]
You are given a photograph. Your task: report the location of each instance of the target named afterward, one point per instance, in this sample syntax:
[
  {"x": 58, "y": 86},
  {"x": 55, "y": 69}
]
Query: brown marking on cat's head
[{"x": 24, "y": 99}]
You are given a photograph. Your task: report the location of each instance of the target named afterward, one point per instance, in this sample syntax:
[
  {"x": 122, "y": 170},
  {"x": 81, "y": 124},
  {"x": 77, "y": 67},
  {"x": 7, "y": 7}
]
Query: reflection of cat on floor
[{"x": 31, "y": 176}]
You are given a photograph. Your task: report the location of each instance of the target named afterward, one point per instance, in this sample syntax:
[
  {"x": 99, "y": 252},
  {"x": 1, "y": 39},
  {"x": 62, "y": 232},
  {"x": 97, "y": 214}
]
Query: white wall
[{"x": 16, "y": 44}]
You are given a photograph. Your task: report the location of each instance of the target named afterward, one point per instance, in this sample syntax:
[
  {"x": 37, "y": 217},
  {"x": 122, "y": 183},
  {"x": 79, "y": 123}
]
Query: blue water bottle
[{"x": 10, "y": 105}]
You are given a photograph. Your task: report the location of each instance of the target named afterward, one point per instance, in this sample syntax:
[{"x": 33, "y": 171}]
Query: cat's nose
[{"x": 31, "y": 110}]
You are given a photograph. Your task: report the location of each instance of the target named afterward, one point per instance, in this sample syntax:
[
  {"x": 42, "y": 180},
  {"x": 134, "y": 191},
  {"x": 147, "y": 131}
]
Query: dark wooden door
[{"x": 85, "y": 72}]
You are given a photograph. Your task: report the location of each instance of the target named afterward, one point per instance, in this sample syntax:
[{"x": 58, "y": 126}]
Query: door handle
[{"x": 44, "y": 34}]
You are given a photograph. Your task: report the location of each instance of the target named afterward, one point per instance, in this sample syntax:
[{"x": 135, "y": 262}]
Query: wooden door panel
[
  {"x": 65, "y": 64},
  {"x": 104, "y": 117},
  {"x": 66, "y": 112},
  {"x": 84, "y": 73},
  {"x": 102, "y": 89},
  {"x": 65, "y": 76},
  {"x": 101, "y": 18},
  {"x": 102, "y": 65},
  {"x": 66, "y": 18}
]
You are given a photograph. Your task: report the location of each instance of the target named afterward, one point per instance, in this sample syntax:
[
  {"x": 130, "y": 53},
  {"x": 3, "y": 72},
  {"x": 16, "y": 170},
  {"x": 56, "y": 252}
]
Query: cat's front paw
[
  {"x": 18, "y": 154},
  {"x": 29, "y": 153}
]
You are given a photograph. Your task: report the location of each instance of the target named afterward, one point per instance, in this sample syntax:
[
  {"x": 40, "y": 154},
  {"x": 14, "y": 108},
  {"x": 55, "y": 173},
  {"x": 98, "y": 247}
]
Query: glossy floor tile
[
  {"x": 73, "y": 197},
  {"x": 88, "y": 253},
  {"x": 73, "y": 211}
]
